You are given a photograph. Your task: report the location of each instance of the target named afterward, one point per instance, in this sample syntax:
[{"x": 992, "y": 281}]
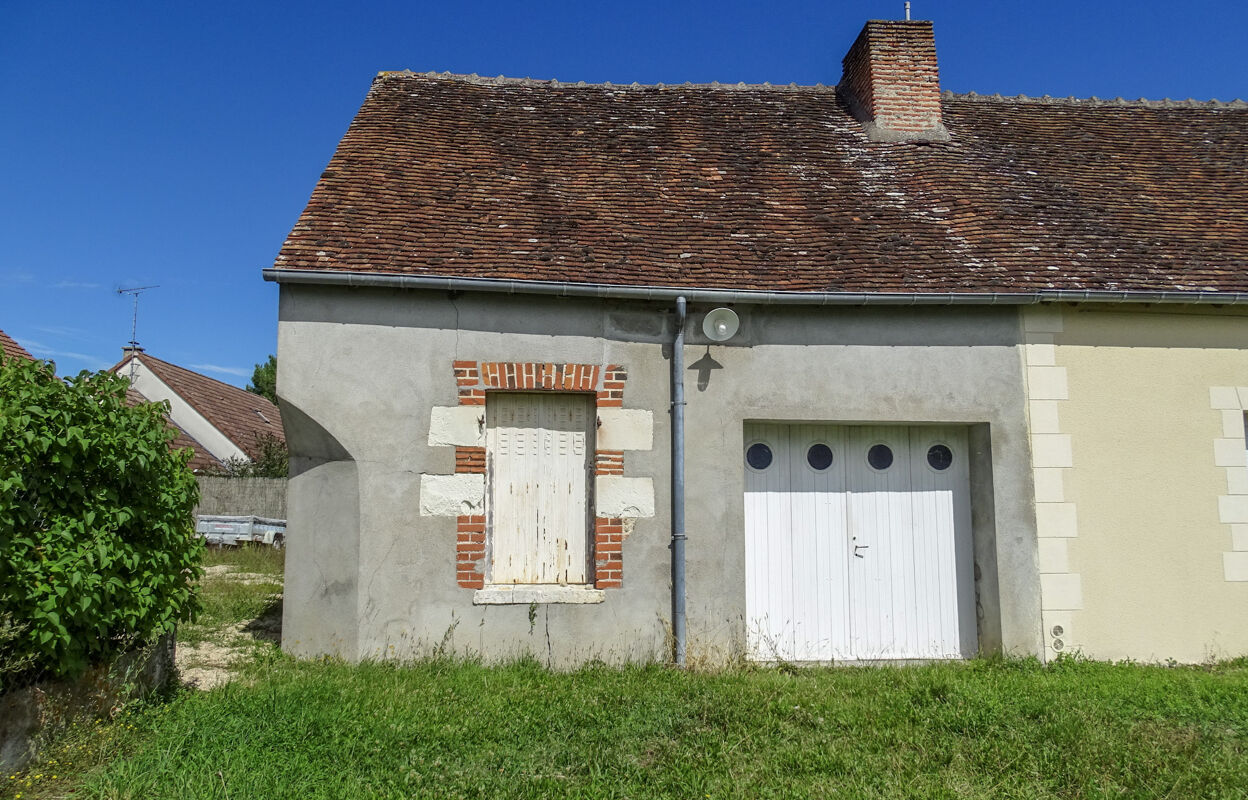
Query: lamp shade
[{"x": 721, "y": 324}]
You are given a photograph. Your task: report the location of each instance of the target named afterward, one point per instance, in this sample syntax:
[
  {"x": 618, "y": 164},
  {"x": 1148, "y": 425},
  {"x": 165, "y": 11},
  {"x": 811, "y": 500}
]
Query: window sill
[{"x": 527, "y": 594}]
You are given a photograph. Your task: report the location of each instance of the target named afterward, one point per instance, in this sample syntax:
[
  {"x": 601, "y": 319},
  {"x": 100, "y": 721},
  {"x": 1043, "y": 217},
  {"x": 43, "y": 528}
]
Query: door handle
[{"x": 858, "y": 547}]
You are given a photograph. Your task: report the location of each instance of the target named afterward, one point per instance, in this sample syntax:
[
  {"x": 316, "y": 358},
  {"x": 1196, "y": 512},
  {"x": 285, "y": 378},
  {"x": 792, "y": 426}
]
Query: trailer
[{"x": 232, "y": 531}]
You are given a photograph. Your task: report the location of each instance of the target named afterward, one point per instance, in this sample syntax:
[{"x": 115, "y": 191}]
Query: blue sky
[{"x": 174, "y": 144}]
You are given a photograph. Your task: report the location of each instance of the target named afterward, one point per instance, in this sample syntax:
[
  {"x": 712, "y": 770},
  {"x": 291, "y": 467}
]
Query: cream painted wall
[{"x": 1149, "y": 548}]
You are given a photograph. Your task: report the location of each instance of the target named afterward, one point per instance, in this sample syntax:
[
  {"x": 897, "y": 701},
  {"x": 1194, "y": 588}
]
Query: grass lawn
[{"x": 450, "y": 729}]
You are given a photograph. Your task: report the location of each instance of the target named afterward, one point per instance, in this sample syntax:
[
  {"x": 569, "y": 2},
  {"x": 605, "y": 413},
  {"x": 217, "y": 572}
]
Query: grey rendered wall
[{"x": 369, "y": 576}]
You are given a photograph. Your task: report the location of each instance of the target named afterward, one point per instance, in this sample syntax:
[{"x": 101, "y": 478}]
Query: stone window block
[
  {"x": 1239, "y": 537},
  {"x": 625, "y": 429},
  {"x": 457, "y": 426},
  {"x": 1237, "y": 480},
  {"x": 1229, "y": 452},
  {"x": 526, "y": 594},
  {"x": 617, "y": 496},
  {"x": 452, "y": 495},
  {"x": 1233, "y": 423}
]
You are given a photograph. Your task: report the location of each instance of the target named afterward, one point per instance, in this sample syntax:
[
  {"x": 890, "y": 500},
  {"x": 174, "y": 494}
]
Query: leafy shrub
[
  {"x": 97, "y": 546},
  {"x": 272, "y": 460}
]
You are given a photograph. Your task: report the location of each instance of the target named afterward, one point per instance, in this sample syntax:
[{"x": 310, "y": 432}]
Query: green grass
[
  {"x": 230, "y": 601},
  {"x": 443, "y": 729}
]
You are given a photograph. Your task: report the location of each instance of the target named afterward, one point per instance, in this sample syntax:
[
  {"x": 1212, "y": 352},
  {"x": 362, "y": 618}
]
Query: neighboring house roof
[
  {"x": 241, "y": 416},
  {"x": 201, "y": 459},
  {"x": 11, "y": 349},
  {"x": 778, "y": 189}
]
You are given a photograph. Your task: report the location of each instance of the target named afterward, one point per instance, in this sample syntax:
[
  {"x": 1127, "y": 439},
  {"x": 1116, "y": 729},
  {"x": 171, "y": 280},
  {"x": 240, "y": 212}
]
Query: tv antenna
[{"x": 135, "y": 291}]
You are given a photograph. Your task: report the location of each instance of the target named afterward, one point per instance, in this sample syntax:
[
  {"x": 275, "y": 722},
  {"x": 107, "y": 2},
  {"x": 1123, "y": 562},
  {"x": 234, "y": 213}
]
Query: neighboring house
[
  {"x": 11, "y": 349},
  {"x": 201, "y": 461},
  {"x": 987, "y": 395},
  {"x": 218, "y": 421}
]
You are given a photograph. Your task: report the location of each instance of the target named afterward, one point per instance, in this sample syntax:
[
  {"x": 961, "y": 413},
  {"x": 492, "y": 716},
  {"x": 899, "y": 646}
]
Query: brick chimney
[{"x": 891, "y": 83}]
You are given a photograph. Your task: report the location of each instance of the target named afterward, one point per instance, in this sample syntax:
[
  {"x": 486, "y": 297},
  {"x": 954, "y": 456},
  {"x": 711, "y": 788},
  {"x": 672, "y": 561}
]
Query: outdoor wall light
[{"x": 721, "y": 324}]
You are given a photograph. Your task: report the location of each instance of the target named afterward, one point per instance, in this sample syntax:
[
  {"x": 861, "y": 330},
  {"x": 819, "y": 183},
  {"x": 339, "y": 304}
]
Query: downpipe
[{"x": 678, "y": 486}]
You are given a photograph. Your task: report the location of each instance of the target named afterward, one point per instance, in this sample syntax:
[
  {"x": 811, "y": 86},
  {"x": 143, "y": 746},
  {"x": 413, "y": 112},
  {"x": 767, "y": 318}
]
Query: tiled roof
[
  {"x": 244, "y": 418},
  {"x": 777, "y": 188},
  {"x": 11, "y": 349},
  {"x": 201, "y": 460}
]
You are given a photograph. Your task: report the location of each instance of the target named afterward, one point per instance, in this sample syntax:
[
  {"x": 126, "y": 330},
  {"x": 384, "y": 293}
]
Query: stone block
[
  {"x": 452, "y": 495},
  {"x": 1061, "y": 592},
  {"x": 1051, "y": 450},
  {"x": 625, "y": 429},
  {"x": 617, "y": 496},
  {"x": 463, "y": 426},
  {"x": 1047, "y": 383},
  {"x": 1056, "y": 520}
]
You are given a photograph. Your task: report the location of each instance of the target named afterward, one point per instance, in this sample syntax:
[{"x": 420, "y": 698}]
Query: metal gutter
[{"x": 668, "y": 294}]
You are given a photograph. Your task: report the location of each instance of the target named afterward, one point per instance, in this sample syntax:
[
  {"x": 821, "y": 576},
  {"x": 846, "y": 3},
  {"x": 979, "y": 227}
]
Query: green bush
[{"x": 97, "y": 546}]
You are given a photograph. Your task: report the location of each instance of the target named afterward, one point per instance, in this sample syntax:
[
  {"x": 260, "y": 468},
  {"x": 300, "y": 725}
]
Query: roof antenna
[
  {"x": 907, "y": 11},
  {"x": 134, "y": 291}
]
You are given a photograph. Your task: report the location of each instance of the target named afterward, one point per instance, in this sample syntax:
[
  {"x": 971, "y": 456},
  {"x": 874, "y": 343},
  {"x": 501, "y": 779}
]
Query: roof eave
[{"x": 711, "y": 295}]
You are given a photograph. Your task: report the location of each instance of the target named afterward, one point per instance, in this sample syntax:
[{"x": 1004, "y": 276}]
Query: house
[
  {"x": 979, "y": 384},
  {"x": 202, "y": 460},
  {"x": 219, "y": 422},
  {"x": 9, "y": 348}
]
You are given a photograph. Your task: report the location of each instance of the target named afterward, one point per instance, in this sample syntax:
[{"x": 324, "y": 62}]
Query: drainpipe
[{"x": 678, "y": 485}]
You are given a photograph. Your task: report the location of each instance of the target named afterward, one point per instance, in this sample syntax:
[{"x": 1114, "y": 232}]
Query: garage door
[{"x": 858, "y": 543}]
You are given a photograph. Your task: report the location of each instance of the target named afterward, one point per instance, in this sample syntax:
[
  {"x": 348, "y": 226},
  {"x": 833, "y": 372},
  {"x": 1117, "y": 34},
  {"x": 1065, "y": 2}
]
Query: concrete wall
[
  {"x": 361, "y": 369},
  {"x": 262, "y": 497},
  {"x": 1152, "y": 505},
  {"x": 31, "y": 715}
]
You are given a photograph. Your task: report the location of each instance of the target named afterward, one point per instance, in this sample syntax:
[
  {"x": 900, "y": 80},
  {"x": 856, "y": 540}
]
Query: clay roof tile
[{"x": 759, "y": 187}]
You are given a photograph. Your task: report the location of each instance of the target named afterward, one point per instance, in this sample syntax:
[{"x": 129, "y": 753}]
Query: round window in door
[
  {"x": 880, "y": 457},
  {"x": 758, "y": 456},
  {"x": 819, "y": 456},
  {"x": 939, "y": 457}
]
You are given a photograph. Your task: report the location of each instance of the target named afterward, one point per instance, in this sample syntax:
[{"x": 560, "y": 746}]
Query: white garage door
[{"x": 858, "y": 543}]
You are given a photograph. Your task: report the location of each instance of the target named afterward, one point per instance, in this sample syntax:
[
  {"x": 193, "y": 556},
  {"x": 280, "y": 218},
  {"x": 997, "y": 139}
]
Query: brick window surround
[{"x": 473, "y": 380}]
